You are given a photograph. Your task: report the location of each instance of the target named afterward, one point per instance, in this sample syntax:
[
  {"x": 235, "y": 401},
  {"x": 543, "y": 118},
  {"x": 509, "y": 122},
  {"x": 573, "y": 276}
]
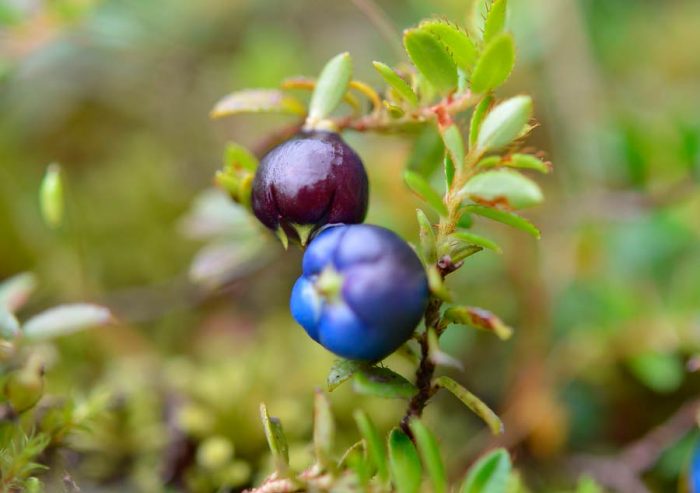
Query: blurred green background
[{"x": 606, "y": 306}]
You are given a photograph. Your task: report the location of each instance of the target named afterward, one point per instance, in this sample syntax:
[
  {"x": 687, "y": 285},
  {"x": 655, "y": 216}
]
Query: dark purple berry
[{"x": 307, "y": 182}]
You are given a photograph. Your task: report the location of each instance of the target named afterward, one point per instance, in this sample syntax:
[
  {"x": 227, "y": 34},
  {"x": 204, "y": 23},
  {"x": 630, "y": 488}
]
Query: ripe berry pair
[{"x": 362, "y": 290}]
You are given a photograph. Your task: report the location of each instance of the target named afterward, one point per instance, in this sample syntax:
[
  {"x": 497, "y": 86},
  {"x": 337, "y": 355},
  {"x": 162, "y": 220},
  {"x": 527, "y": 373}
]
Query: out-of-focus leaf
[
  {"x": 374, "y": 444},
  {"x": 520, "y": 161},
  {"x": 427, "y": 238},
  {"x": 383, "y": 382},
  {"x": 422, "y": 188},
  {"x": 437, "y": 356},
  {"x": 478, "y": 115},
  {"x": 237, "y": 155},
  {"x": 406, "y": 470},
  {"x": 458, "y": 43},
  {"x": 24, "y": 387},
  {"x": 9, "y": 326},
  {"x": 449, "y": 167},
  {"x": 427, "y": 152},
  {"x": 324, "y": 429},
  {"x": 15, "y": 291},
  {"x": 332, "y": 84},
  {"x": 476, "y": 16},
  {"x": 395, "y": 81},
  {"x": 432, "y": 59},
  {"x": 452, "y": 137},
  {"x": 276, "y": 440},
  {"x": 586, "y": 484},
  {"x": 494, "y": 65},
  {"x": 221, "y": 261},
  {"x": 66, "y": 319},
  {"x": 257, "y": 101},
  {"x": 661, "y": 372},
  {"x": 341, "y": 371},
  {"x": 495, "y": 21},
  {"x": 474, "y": 239},
  {"x": 437, "y": 284},
  {"x": 505, "y": 217},
  {"x": 358, "y": 463},
  {"x": 479, "y": 319},
  {"x": 472, "y": 402},
  {"x": 51, "y": 196},
  {"x": 430, "y": 455},
  {"x": 504, "y": 188},
  {"x": 489, "y": 474},
  {"x": 504, "y": 123}
]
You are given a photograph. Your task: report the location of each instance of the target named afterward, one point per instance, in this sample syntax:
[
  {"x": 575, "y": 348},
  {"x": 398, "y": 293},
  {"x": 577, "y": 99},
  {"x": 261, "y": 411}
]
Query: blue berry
[{"x": 362, "y": 292}]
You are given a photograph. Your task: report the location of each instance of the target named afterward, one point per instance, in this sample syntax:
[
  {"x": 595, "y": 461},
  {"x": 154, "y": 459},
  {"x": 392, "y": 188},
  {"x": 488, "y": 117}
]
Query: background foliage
[{"x": 605, "y": 305}]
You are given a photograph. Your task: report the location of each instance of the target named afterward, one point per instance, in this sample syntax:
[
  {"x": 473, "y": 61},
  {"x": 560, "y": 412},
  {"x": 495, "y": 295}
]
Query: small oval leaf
[
  {"x": 489, "y": 474},
  {"x": 505, "y": 217},
  {"x": 257, "y": 101},
  {"x": 494, "y": 65},
  {"x": 479, "y": 319},
  {"x": 330, "y": 88},
  {"x": 476, "y": 405},
  {"x": 395, "y": 81},
  {"x": 457, "y": 42},
  {"x": 427, "y": 238},
  {"x": 504, "y": 123},
  {"x": 406, "y": 470},
  {"x": 431, "y": 58},
  {"x": 51, "y": 196},
  {"x": 276, "y": 439},
  {"x": 66, "y": 319},
  {"x": 519, "y": 161},
  {"x": 324, "y": 429},
  {"x": 422, "y": 188},
  {"x": 9, "y": 326},
  {"x": 503, "y": 188},
  {"x": 477, "y": 118},
  {"x": 474, "y": 239},
  {"x": 383, "y": 382},
  {"x": 341, "y": 371},
  {"x": 495, "y": 21}
]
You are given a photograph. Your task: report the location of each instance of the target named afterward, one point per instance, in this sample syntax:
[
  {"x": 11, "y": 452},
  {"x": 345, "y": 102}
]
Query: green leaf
[
  {"x": 358, "y": 463},
  {"x": 452, "y": 137},
  {"x": 330, "y": 88},
  {"x": 341, "y": 371},
  {"x": 427, "y": 238},
  {"x": 479, "y": 319},
  {"x": 504, "y": 123},
  {"x": 275, "y": 440},
  {"x": 437, "y": 356},
  {"x": 238, "y": 156},
  {"x": 520, "y": 161},
  {"x": 257, "y": 101},
  {"x": 505, "y": 217},
  {"x": 427, "y": 152},
  {"x": 9, "y": 326},
  {"x": 437, "y": 284},
  {"x": 430, "y": 455},
  {"x": 661, "y": 372},
  {"x": 474, "y": 239},
  {"x": 406, "y": 470},
  {"x": 373, "y": 443},
  {"x": 456, "y": 41},
  {"x": 478, "y": 115},
  {"x": 489, "y": 474},
  {"x": 476, "y": 17},
  {"x": 449, "y": 170},
  {"x": 494, "y": 65},
  {"x": 395, "y": 81},
  {"x": 383, "y": 382},
  {"x": 15, "y": 291},
  {"x": 476, "y": 405},
  {"x": 432, "y": 59},
  {"x": 66, "y": 319},
  {"x": 503, "y": 187},
  {"x": 324, "y": 429},
  {"x": 51, "y": 196},
  {"x": 495, "y": 21},
  {"x": 422, "y": 188}
]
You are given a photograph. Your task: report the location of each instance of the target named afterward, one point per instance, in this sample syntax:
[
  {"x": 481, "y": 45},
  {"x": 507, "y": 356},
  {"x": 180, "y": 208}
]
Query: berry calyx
[
  {"x": 307, "y": 182},
  {"x": 362, "y": 293}
]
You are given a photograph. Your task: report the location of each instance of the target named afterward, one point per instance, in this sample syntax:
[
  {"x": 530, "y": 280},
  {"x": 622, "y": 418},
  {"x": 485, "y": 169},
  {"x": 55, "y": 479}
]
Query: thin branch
[{"x": 382, "y": 22}]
